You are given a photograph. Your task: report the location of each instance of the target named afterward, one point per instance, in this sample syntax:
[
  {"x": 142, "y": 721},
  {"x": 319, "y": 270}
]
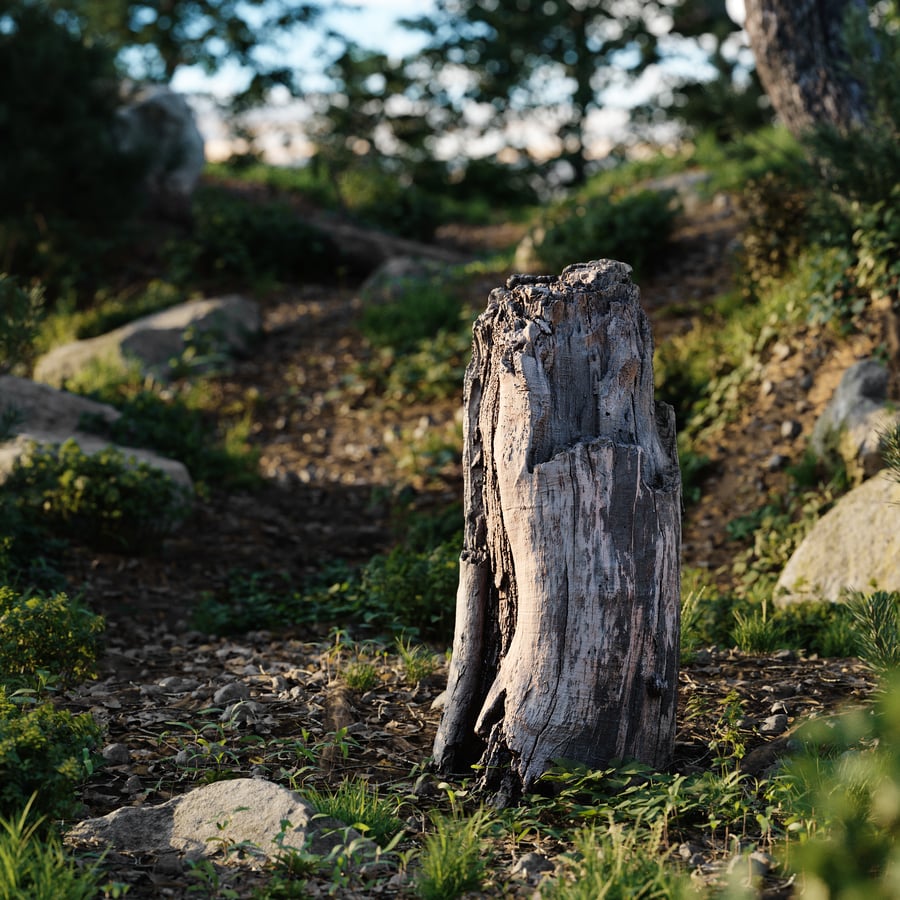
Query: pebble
[
  {"x": 237, "y": 690},
  {"x": 776, "y": 461},
  {"x": 116, "y": 754},
  {"x": 133, "y": 785},
  {"x": 756, "y": 865},
  {"x": 774, "y": 725},
  {"x": 530, "y": 866},
  {"x": 790, "y": 429}
]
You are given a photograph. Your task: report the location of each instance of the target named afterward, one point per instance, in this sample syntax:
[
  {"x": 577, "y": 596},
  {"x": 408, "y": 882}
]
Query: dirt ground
[{"x": 330, "y": 471}]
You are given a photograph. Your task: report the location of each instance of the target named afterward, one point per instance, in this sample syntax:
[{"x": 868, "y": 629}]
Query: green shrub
[
  {"x": 775, "y": 227},
  {"x": 101, "y": 500},
  {"x": 65, "y": 188},
  {"x": 236, "y": 239},
  {"x": 19, "y": 323},
  {"x": 633, "y": 228},
  {"x": 44, "y": 752},
  {"x": 876, "y": 621},
  {"x": 843, "y": 791},
  {"x": 174, "y": 428},
  {"x": 418, "y": 309},
  {"x": 357, "y": 803},
  {"x": 408, "y": 591},
  {"x": 389, "y": 200},
  {"x": 453, "y": 859},
  {"x": 34, "y": 865},
  {"x": 52, "y": 633}
]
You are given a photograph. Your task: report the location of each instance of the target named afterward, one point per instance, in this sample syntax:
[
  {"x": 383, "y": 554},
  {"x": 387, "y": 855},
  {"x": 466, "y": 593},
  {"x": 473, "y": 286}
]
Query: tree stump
[{"x": 567, "y": 621}]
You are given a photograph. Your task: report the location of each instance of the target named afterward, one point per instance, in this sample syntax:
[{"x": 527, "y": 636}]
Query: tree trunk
[
  {"x": 801, "y": 60},
  {"x": 567, "y": 628}
]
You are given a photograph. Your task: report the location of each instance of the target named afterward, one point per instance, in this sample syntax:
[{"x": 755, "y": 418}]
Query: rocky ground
[{"x": 330, "y": 467}]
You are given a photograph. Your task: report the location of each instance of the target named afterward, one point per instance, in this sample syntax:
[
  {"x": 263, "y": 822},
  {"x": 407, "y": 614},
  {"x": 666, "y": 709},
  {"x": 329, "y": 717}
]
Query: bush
[
  {"x": 44, "y": 752},
  {"x": 64, "y": 185},
  {"x": 102, "y": 500},
  {"x": 235, "y": 239},
  {"x": 633, "y": 228},
  {"x": 18, "y": 325},
  {"x": 52, "y": 633}
]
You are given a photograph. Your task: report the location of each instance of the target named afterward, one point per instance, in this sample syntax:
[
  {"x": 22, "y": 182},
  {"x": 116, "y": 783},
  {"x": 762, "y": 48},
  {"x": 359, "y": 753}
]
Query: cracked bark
[
  {"x": 802, "y": 61},
  {"x": 567, "y": 630}
]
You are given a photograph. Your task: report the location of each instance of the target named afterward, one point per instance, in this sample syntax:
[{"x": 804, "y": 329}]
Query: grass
[
  {"x": 454, "y": 858},
  {"x": 361, "y": 805},
  {"x": 33, "y": 863}
]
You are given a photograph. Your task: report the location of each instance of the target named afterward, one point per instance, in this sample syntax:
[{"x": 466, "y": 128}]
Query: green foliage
[
  {"x": 418, "y": 661},
  {"x": 775, "y": 229},
  {"x": 876, "y": 243},
  {"x": 64, "y": 187},
  {"x": 842, "y": 796},
  {"x": 359, "y": 804},
  {"x": 19, "y": 324},
  {"x": 52, "y": 633},
  {"x": 775, "y": 529},
  {"x": 890, "y": 451},
  {"x": 633, "y": 228},
  {"x": 236, "y": 239},
  {"x": 45, "y": 752},
  {"x": 417, "y": 309},
  {"x": 876, "y": 618},
  {"x": 405, "y": 592},
  {"x": 360, "y": 675},
  {"x": 102, "y": 500},
  {"x": 174, "y": 425},
  {"x": 617, "y": 864},
  {"x": 34, "y": 864},
  {"x": 453, "y": 859}
]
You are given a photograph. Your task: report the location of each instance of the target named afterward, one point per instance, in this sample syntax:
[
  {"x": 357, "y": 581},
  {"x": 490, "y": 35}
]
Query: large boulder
[
  {"x": 854, "y": 546},
  {"x": 160, "y": 125},
  {"x": 259, "y": 816},
  {"x": 215, "y": 326},
  {"x": 855, "y": 419},
  {"x": 39, "y": 413}
]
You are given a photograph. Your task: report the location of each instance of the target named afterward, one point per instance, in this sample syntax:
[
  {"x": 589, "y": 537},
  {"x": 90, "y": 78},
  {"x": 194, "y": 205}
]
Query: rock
[
  {"x": 393, "y": 277},
  {"x": 855, "y": 418},
  {"x": 790, "y": 429},
  {"x": 222, "y": 324},
  {"x": 854, "y": 546},
  {"x": 159, "y": 125},
  {"x": 530, "y": 867},
  {"x": 236, "y": 690},
  {"x": 116, "y": 754},
  {"x": 774, "y": 725},
  {"x": 48, "y": 416},
  {"x": 208, "y": 818}
]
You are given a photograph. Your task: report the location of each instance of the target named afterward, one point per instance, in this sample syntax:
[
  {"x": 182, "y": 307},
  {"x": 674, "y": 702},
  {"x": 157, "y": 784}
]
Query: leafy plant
[
  {"x": 33, "y": 863},
  {"x": 44, "y": 754},
  {"x": 633, "y": 228},
  {"x": 359, "y": 804},
  {"x": 418, "y": 661},
  {"x": 235, "y": 239},
  {"x": 453, "y": 860},
  {"x": 19, "y": 325},
  {"x": 52, "y": 633},
  {"x": 843, "y": 793},
  {"x": 876, "y": 618},
  {"x": 102, "y": 499},
  {"x": 175, "y": 427},
  {"x": 360, "y": 675},
  {"x": 616, "y": 863}
]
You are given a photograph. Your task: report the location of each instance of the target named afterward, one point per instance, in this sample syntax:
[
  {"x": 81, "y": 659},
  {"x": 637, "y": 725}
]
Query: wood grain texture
[{"x": 567, "y": 631}]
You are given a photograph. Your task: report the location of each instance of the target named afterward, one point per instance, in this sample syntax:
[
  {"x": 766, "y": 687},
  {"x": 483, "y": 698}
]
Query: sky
[{"x": 372, "y": 24}]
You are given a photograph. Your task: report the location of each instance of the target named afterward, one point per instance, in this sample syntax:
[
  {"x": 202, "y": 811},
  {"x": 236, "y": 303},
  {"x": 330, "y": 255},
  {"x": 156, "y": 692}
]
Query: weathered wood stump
[{"x": 567, "y": 622}]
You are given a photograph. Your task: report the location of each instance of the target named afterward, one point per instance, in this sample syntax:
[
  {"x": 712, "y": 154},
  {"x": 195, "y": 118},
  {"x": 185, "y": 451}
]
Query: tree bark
[
  {"x": 801, "y": 60},
  {"x": 567, "y": 630}
]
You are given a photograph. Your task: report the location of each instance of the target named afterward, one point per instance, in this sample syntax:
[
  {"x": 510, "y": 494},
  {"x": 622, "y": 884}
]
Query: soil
[{"x": 330, "y": 472}]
